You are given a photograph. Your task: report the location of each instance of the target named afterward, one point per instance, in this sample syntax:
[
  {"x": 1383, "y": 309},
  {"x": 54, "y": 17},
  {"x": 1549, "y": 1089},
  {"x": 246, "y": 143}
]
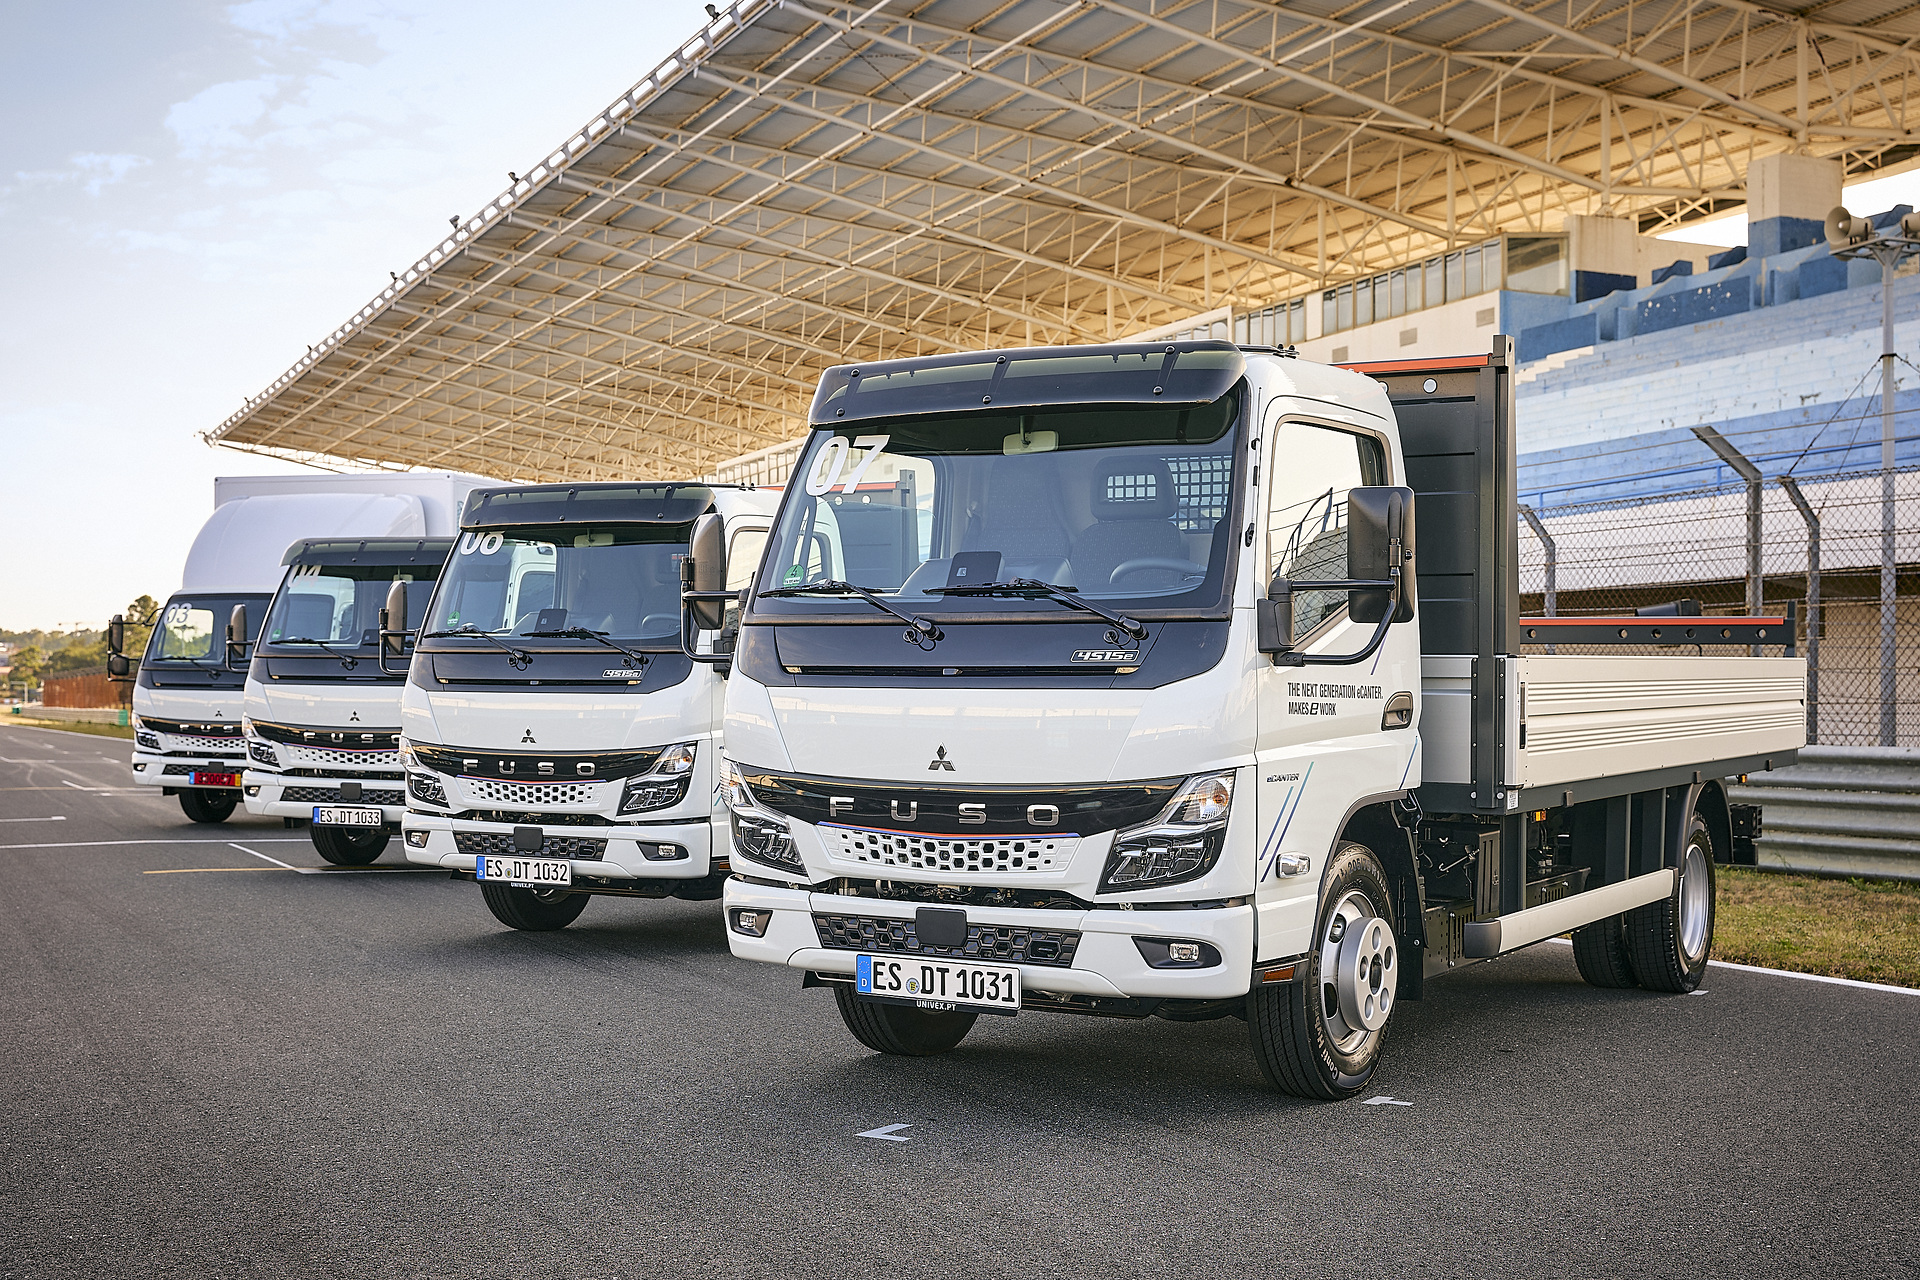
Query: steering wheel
[{"x": 1141, "y": 564}]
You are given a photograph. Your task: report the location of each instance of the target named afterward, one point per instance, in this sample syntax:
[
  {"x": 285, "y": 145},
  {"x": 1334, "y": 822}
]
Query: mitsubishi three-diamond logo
[
  {"x": 940, "y": 761},
  {"x": 527, "y": 736}
]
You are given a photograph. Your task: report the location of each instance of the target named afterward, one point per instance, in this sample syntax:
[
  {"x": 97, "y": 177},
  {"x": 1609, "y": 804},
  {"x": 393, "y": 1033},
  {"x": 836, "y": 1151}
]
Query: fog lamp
[{"x": 751, "y": 922}]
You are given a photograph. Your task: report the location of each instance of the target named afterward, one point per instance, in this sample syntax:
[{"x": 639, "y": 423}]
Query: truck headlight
[
  {"x": 426, "y": 788},
  {"x": 1181, "y": 844},
  {"x": 263, "y": 753},
  {"x": 764, "y": 838},
  {"x": 146, "y": 738},
  {"x": 663, "y": 785},
  {"x": 409, "y": 759}
]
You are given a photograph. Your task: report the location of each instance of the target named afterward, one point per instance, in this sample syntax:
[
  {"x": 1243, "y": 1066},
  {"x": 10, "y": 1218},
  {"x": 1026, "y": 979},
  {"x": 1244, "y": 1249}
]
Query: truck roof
[{"x": 616, "y": 501}]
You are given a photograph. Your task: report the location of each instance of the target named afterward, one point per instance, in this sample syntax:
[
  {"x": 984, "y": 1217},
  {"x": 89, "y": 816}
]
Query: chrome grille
[
  {"x": 299, "y": 755},
  {"x": 529, "y": 795},
  {"x": 196, "y": 742},
  {"x": 1010, "y": 943},
  {"x": 944, "y": 853},
  {"x": 499, "y": 844}
]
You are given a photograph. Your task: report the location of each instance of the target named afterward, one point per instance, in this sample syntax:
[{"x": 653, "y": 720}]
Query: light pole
[{"x": 1851, "y": 237}]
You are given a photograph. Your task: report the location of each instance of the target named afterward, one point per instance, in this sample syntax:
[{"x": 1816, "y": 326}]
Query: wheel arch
[
  {"x": 1372, "y": 822},
  {"x": 1712, "y": 805}
]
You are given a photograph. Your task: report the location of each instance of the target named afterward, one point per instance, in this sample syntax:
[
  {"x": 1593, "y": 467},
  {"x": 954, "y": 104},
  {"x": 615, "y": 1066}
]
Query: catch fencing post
[
  {"x": 1751, "y": 474},
  {"x": 1808, "y": 514},
  {"x": 1553, "y": 557}
]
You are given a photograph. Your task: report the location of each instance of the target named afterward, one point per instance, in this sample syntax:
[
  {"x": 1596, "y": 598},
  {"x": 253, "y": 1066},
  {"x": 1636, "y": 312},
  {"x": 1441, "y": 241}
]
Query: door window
[{"x": 1314, "y": 468}]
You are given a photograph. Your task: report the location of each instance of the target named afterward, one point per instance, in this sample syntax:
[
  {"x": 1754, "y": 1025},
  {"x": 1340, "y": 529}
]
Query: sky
[
  {"x": 192, "y": 192},
  {"x": 1861, "y": 199}
]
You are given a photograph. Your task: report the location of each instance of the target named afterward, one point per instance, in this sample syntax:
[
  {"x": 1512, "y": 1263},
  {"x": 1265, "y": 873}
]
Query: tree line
[{"x": 36, "y": 654}]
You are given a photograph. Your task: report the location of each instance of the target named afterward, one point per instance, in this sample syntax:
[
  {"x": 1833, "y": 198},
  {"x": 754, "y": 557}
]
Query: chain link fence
[{"x": 1812, "y": 546}]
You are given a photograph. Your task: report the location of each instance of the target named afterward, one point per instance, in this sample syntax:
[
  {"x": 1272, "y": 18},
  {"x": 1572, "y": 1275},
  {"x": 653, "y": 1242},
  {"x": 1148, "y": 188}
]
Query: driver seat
[{"x": 1133, "y": 503}]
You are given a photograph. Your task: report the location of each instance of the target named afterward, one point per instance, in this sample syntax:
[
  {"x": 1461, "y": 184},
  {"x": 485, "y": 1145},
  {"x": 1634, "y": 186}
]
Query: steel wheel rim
[
  {"x": 1349, "y": 920},
  {"x": 1696, "y": 902}
]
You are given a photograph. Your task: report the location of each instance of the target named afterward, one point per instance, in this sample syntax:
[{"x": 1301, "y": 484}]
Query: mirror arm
[
  {"x": 688, "y": 632},
  {"x": 388, "y": 633},
  {"x": 1290, "y": 659}
]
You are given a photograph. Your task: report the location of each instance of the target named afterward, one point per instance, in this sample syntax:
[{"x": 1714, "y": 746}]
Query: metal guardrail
[{"x": 1841, "y": 811}]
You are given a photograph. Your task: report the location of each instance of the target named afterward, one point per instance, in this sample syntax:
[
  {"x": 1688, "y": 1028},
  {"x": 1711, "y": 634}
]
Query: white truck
[
  {"x": 189, "y": 687},
  {"x": 1107, "y": 681},
  {"x": 558, "y": 742}
]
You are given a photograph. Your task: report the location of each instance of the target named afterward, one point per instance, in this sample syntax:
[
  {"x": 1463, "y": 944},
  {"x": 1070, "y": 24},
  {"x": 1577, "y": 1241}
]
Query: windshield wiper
[
  {"x": 588, "y": 633},
  {"x": 1034, "y": 589},
  {"x": 921, "y": 631},
  {"x": 347, "y": 660},
  {"x": 518, "y": 659}
]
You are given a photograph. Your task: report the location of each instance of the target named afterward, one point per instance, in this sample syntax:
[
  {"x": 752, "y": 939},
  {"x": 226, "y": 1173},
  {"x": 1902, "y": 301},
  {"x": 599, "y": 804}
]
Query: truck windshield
[
  {"x": 1131, "y": 507},
  {"x": 192, "y": 629},
  {"x": 339, "y": 605},
  {"x": 623, "y": 580}
]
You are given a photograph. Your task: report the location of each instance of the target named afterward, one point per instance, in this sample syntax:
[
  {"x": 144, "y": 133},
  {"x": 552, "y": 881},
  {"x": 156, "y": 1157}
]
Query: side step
[{"x": 1488, "y": 938}]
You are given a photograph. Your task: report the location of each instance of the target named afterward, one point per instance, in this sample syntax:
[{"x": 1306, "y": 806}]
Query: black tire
[
  {"x": 202, "y": 804},
  {"x": 349, "y": 846},
  {"x": 1293, "y": 1038},
  {"x": 1671, "y": 939},
  {"x": 1600, "y": 949},
  {"x": 534, "y": 910},
  {"x": 899, "y": 1029}
]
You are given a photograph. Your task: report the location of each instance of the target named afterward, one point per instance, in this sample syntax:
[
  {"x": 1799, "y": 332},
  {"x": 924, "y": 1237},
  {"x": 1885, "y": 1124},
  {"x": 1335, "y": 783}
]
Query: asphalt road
[{"x": 217, "y": 1067}]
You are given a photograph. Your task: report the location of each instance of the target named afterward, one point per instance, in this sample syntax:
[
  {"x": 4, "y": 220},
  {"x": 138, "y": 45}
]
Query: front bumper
[
  {"x": 621, "y": 859},
  {"x": 280, "y": 796},
  {"x": 152, "y": 769},
  {"x": 1105, "y": 963}
]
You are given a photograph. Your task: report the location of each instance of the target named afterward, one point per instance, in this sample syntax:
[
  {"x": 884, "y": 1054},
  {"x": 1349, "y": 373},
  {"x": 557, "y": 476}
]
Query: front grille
[
  {"x": 1011, "y": 943},
  {"x": 941, "y": 853},
  {"x": 499, "y": 844},
  {"x": 368, "y": 759},
  {"x": 210, "y": 755},
  {"x": 180, "y": 768},
  {"x": 331, "y": 795},
  {"x": 196, "y": 742},
  {"x": 529, "y": 795}
]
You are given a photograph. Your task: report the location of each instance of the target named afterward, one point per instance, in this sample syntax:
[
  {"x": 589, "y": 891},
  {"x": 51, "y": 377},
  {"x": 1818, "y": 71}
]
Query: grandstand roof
[{"x": 805, "y": 182}]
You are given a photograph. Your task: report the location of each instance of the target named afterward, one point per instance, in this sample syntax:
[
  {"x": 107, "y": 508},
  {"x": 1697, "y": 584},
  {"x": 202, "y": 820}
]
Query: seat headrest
[{"x": 1134, "y": 489}]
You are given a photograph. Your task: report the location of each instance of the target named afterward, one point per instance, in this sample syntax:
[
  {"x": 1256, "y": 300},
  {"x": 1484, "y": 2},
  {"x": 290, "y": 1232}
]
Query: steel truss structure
[{"x": 806, "y": 182}]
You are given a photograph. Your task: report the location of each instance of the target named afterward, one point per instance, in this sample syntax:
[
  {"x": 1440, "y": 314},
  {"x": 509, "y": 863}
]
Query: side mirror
[
  {"x": 1273, "y": 617},
  {"x": 236, "y": 634},
  {"x": 705, "y": 572},
  {"x": 393, "y": 622},
  {"x": 119, "y": 667},
  {"x": 116, "y": 635},
  {"x": 1380, "y": 540}
]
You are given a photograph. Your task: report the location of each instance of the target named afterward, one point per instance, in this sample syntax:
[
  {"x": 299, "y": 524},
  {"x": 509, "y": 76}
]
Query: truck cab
[
  {"x": 1117, "y": 681},
  {"x": 187, "y": 704},
  {"x": 321, "y": 707},
  {"x": 559, "y": 739}
]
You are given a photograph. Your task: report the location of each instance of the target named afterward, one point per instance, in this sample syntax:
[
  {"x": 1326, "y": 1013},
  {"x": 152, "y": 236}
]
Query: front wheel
[
  {"x": 1320, "y": 1035},
  {"x": 897, "y": 1029},
  {"x": 204, "y": 805},
  {"x": 349, "y": 846},
  {"x": 1669, "y": 940},
  {"x": 534, "y": 910}
]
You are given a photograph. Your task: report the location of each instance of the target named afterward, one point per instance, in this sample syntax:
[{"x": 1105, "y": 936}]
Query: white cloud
[{"x": 89, "y": 170}]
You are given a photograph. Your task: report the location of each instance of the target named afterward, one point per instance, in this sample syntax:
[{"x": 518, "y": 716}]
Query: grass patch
[
  {"x": 1863, "y": 929},
  {"x": 73, "y": 726}
]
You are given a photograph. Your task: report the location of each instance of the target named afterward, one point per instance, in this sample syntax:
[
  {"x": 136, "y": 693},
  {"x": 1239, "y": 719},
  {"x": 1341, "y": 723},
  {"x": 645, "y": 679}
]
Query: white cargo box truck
[
  {"x": 189, "y": 688},
  {"x": 1116, "y": 681}
]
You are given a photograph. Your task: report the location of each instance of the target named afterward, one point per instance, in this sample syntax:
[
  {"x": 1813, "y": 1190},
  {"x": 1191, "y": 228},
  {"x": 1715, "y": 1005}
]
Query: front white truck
[
  {"x": 322, "y": 705},
  {"x": 558, "y": 739},
  {"x": 1116, "y": 681}
]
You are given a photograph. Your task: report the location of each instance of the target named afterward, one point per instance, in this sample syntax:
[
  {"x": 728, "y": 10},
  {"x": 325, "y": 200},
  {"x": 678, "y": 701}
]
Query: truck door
[{"x": 1327, "y": 740}]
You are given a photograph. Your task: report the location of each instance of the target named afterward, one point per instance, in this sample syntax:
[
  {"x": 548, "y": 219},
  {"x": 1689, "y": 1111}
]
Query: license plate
[
  {"x": 333, "y": 816},
  {"x": 938, "y": 984},
  {"x": 213, "y": 779},
  {"x": 537, "y": 873}
]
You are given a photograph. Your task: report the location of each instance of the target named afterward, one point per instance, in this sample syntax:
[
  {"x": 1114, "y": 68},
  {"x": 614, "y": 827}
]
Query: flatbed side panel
[
  {"x": 1595, "y": 717},
  {"x": 1446, "y": 718}
]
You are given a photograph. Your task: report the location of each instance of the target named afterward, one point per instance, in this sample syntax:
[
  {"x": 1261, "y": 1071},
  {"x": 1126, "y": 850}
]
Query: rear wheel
[
  {"x": 1669, "y": 940},
  {"x": 1320, "y": 1035},
  {"x": 349, "y": 846},
  {"x": 1600, "y": 949},
  {"x": 535, "y": 910},
  {"x": 202, "y": 804},
  {"x": 897, "y": 1029}
]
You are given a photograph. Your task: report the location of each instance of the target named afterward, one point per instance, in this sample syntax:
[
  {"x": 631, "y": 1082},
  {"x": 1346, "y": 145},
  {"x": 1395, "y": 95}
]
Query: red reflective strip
[
  {"x": 1656, "y": 620},
  {"x": 1426, "y": 365}
]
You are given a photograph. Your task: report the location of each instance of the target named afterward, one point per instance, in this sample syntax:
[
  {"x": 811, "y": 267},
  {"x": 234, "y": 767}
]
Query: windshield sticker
[
  {"x": 794, "y": 574},
  {"x": 832, "y": 460}
]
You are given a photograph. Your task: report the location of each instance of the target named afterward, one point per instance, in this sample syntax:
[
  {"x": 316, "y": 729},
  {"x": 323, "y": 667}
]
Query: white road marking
[
  {"x": 1698, "y": 991},
  {"x": 55, "y": 818},
  {"x": 76, "y": 786},
  {"x": 1380, "y": 1099},
  {"x": 887, "y": 1133},
  {"x": 263, "y": 857},
  {"x": 90, "y": 844},
  {"x": 1788, "y": 973}
]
